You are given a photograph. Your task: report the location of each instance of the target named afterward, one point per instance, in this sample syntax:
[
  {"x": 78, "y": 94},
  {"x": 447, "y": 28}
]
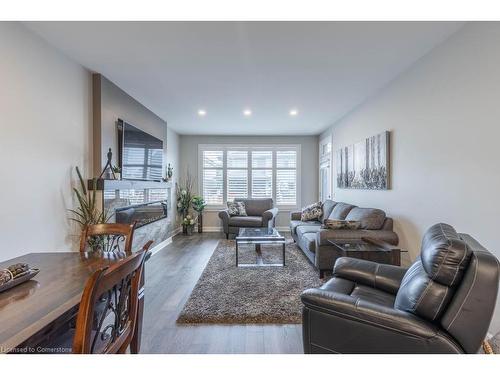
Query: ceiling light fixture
[
  {"x": 293, "y": 112},
  {"x": 202, "y": 112},
  {"x": 247, "y": 112}
]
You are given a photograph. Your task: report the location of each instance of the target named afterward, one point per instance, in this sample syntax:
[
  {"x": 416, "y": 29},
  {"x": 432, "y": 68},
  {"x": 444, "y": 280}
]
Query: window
[
  {"x": 213, "y": 162},
  {"x": 234, "y": 171}
]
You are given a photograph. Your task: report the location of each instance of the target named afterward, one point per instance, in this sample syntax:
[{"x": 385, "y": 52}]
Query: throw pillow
[
  {"x": 236, "y": 209},
  {"x": 311, "y": 212},
  {"x": 342, "y": 224},
  {"x": 241, "y": 209},
  {"x": 232, "y": 208}
]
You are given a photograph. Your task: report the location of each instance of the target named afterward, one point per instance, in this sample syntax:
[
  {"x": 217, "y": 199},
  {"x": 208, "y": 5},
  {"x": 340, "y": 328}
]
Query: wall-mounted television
[{"x": 140, "y": 154}]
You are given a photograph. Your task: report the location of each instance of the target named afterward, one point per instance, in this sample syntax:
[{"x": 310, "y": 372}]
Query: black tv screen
[{"x": 140, "y": 154}]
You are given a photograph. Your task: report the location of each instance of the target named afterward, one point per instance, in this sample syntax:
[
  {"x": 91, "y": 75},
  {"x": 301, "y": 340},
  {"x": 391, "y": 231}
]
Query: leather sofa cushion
[
  {"x": 370, "y": 218},
  {"x": 303, "y": 229},
  {"x": 245, "y": 221},
  {"x": 340, "y": 211},
  {"x": 294, "y": 224},
  {"x": 327, "y": 208},
  {"x": 256, "y": 207},
  {"x": 444, "y": 254},
  {"x": 307, "y": 242},
  {"x": 420, "y": 295},
  {"x": 359, "y": 291}
]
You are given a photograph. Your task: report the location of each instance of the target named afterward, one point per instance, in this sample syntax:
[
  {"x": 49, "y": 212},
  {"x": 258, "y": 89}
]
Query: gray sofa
[
  {"x": 261, "y": 214},
  {"x": 313, "y": 240}
]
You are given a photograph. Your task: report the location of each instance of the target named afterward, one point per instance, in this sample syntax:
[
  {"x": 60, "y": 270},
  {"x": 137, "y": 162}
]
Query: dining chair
[{"x": 108, "y": 237}]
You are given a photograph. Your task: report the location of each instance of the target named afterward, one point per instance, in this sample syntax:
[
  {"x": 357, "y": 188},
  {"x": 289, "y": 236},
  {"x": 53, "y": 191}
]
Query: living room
[{"x": 249, "y": 187}]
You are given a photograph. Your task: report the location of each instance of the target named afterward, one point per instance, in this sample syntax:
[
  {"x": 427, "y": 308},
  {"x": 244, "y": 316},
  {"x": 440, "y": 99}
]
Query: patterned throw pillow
[
  {"x": 236, "y": 209},
  {"x": 342, "y": 224},
  {"x": 311, "y": 212}
]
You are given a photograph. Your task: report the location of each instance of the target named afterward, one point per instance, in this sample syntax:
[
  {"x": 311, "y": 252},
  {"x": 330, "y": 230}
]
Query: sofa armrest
[
  {"x": 295, "y": 215},
  {"x": 324, "y": 235},
  {"x": 269, "y": 216},
  {"x": 368, "y": 313},
  {"x": 380, "y": 276},
  {"x": 224, "y": 216}
]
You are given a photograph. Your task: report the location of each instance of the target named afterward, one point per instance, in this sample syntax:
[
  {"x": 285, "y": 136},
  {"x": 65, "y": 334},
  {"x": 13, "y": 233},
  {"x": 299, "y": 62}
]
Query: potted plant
[
  {"x": 88, "y": 212},
  {"x": 184, "y": 198},
  {"x": 199, "y": 204},
  {"x": 188, "y": 224},
  {"x": 117, "y": 171}
]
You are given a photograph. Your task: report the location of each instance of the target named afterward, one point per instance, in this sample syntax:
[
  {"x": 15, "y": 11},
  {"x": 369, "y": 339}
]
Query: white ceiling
[{"x": 323, "y": 69}]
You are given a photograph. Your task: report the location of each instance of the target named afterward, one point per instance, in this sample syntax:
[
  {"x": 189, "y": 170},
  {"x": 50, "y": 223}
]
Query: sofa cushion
[
  {"x": 340, "y": 211},
  {"x": 370, "y": 218},
  {"x": 294, "y": 224},
  {"x": 308, "y": 242},
  {"x": 256, "y": 207},
  {"x": 245, "y": 221},
  {"x": 311, "y": 212},
  {"x": 327, "y": 208},
  {"x": 303, "y": 229},
  {"x": 346, "y": 234}
]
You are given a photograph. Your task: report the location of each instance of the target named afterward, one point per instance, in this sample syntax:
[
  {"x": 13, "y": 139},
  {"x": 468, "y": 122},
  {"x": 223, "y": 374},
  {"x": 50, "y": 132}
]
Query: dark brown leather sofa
[{"x": 442, "y": 304}]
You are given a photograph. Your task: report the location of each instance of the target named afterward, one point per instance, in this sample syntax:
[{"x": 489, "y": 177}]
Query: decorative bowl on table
[{"x": 16, "y": 274}]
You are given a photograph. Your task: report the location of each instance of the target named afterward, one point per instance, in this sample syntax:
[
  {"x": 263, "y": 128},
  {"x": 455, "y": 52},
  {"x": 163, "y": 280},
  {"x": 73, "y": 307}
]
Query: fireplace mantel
[{"x": 128, "y": 184}]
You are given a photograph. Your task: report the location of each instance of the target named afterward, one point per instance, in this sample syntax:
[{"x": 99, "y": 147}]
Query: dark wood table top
[{"x": 27, "y": 308}]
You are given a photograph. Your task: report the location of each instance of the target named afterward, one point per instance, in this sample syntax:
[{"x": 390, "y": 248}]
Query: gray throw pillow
[
  {"x": 311, "y": 212},
  {"x": 370, "y": 218},
  {"x": 342, "y": 224}
]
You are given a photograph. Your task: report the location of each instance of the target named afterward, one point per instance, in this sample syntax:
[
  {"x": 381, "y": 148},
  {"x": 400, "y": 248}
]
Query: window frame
[{"x": 249, "y": 149}]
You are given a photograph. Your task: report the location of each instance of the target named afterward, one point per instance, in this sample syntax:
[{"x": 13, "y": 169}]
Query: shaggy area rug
[{"x": 240, "y": 295}]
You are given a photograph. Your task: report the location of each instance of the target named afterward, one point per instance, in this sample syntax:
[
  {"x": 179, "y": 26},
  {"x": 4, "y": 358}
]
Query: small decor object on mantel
[
  {"x": 117, "y": 171},
  {"x": 15, "y": 275},
  {"x": 107, "y": 172},
  {"x": 199, "y": 205}
]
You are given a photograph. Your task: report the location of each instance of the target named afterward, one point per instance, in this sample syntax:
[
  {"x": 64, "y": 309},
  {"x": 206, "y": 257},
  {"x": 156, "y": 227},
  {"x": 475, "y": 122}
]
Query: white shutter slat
[
  {"x": 262, "y": 183},
  {"x": 286, "y": 159},
  {"x": 262, "y": 159},
  {"x": 213, "y": 186},
  {"x": 286, "y": 186},
  {"x": 237, "y": 159},
  {"x": 237, "y": 183},
  {"x": 213, "y": 159}
]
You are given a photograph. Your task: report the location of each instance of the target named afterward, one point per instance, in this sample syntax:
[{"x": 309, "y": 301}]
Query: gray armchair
[{"x": 261, "y": 214}]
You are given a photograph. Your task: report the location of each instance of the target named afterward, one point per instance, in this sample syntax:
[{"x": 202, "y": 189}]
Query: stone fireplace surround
[{"x": 149, "y": 203}]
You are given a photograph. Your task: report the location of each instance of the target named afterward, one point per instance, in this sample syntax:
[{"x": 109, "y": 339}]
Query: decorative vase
[
  {"x": 200, "y": 223},
  {"x": 184, "y": 229},
  {"x": 189, "y": 230},
  {"x": 118, "y": 176}
]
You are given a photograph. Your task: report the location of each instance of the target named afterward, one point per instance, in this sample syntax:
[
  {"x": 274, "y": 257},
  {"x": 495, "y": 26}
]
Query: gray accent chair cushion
[
  {"x": 245, "y": 221},
  {"x": 340, "y": 211},
  {"x": 370, "y": 218}
]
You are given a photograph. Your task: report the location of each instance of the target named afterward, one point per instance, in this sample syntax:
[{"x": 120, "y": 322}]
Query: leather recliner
[{"x": 442, "y": 304}]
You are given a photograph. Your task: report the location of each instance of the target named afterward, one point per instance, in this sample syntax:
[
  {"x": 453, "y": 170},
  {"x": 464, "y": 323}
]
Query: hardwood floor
[{"x": 171, "y": 275}]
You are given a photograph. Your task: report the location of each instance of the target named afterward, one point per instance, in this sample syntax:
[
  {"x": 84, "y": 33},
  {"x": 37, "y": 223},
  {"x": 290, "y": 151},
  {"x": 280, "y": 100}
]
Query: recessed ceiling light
[
  {"x": 294, "y": 112},
  {"x": 247, "y": 112},
  {"x": 202, "y": 112}
]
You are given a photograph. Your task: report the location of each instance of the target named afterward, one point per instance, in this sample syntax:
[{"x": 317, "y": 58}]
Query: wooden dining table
[{"x": 34, "y": 311}]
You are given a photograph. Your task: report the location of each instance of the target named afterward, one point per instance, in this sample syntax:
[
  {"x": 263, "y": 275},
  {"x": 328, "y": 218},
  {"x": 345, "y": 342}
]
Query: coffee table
[
  {"x": 369, "y": 249},
  {"x": 259, "y": 236}
]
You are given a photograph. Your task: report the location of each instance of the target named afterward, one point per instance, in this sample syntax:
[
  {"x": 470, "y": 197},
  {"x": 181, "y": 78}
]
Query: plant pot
[
  {"x": 184, "y": 229},
  {"x": 118, "y": 176},
  {"x": 189, "y": 230},
  {"x": 200, "y": 223}
]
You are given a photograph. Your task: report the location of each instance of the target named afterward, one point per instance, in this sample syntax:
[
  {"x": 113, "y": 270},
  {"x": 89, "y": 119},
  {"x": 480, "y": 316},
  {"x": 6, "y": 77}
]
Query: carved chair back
[
  {"x": 108, "y": 237},
  {"x": 108, "y": 309}
]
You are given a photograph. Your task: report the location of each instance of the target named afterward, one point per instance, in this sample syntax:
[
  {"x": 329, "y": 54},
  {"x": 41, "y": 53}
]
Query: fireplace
[
  {"x": 142, "y": 214},
  {"x": 128, "y": 202}
]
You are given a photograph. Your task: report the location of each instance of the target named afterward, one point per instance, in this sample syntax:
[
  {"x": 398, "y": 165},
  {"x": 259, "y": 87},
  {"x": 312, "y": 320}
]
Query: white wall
[
  {"x": 444, "y": 118},
  {"x": 173, "y": 157},
  {"x": 309, "y": 166},
  {"x": 45, "y": 123}
]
